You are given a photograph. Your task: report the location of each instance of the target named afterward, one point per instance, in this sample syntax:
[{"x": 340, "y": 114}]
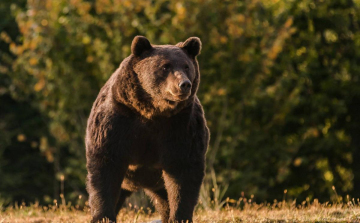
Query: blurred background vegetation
[{"x": 280, "y": 88}]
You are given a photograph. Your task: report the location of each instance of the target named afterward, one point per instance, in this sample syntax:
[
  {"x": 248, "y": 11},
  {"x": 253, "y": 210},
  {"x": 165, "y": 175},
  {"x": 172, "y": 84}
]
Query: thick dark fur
[{"x": 147, "y": 130}]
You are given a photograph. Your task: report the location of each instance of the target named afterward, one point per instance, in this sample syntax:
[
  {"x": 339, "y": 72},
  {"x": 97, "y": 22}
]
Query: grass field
[{"x": 247, "y": 212}]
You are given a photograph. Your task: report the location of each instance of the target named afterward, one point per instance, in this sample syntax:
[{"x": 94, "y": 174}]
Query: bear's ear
[
  {"x": 192, "y": 46},
  {"x": 139, "y": 45}
]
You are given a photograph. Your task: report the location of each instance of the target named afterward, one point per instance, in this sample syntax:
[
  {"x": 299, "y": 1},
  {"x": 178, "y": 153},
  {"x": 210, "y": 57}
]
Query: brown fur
[{"x": 147, "y": 130}]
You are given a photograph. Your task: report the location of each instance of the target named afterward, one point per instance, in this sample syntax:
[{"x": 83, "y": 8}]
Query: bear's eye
[
  {"x": 166, "y": 67},
  {"x": 187, "y": 67}
]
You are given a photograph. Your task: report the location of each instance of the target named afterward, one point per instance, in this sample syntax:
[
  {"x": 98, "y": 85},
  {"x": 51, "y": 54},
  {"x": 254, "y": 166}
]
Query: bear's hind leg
[
  {"x": 103, "y": 186},
  {"x": 123, "y": 195},
  {"x": 160, "y": 200},
  {"x": 183, "y": 186}
]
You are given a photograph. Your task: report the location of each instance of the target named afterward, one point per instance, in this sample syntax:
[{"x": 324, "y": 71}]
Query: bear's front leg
[
  {"x": 183, "y": 184},
  {"x": 103, "y": 185}
]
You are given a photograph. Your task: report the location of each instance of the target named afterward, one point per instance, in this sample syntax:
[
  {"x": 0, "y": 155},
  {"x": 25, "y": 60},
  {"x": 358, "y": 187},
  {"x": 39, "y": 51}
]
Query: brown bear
[{"x": 147, "y": 130}]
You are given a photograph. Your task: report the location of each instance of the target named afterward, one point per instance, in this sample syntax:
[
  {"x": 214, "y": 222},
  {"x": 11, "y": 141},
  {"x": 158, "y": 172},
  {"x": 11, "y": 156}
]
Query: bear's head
[{"x": 164, "y": 78}]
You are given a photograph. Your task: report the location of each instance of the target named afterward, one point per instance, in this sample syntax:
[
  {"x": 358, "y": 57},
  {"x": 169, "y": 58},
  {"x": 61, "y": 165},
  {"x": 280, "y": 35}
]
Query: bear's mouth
[
  {"x": 170, "y": 102},
  {"x": 178, "y": 97},
  {"x": 177, "y": 100}
]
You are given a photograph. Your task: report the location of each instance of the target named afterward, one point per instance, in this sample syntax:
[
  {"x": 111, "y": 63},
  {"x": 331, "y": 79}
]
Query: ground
[{"x": 248, "y": 212}]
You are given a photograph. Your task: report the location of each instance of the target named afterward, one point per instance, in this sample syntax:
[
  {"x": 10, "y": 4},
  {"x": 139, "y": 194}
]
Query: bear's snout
[{"x": 185, "y": 86}]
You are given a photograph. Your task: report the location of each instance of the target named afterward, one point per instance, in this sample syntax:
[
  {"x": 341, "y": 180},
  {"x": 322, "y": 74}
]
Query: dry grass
[{"x": 249, "y": 212}]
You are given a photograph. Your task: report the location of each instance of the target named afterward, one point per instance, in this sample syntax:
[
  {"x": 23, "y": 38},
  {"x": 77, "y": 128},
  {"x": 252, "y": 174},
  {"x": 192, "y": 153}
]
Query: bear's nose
[{"x": 185, "y": 85}]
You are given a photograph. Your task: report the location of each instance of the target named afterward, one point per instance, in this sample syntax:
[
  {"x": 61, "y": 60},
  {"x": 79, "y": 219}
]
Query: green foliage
[
  {"x": 23, "y": 169},
  {"x": 279, "y": 84}
]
